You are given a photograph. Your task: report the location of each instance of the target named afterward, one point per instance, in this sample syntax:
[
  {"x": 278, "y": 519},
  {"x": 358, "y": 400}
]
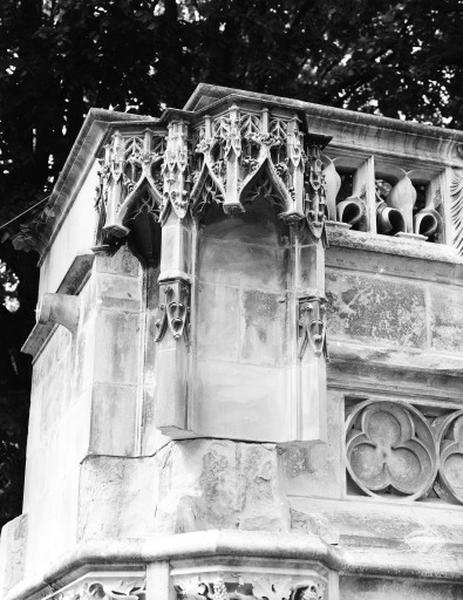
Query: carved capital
[{"x": 174, "y": 309}]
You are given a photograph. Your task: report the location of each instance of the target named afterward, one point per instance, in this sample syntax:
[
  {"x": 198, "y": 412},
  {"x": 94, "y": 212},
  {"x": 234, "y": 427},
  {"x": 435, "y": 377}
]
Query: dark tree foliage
[{"x": 60, "y": 57}]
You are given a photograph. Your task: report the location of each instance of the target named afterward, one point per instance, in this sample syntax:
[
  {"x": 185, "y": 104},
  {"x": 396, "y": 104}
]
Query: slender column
[
  {"x": 364, "y": 188},
  {"x": 172, "y": 360},
  {"x": 309, "y": 286}
]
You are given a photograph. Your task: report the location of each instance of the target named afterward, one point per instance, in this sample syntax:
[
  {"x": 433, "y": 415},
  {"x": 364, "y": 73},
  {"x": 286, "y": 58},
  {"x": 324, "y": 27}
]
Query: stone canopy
[{"x": 248, "y": 360}]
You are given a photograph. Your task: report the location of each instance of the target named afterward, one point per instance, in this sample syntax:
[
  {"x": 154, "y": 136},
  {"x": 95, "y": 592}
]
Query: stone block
[
  {"x": 120, "y": 292},
  {"x": 263, "y": 328},
  {"x": 207, "y": 484},
  {"x": 113, "y": 419},
  {"x": 117, "y": 498},
  {"x": 116, "y": 347},
  {"x": 317, "y": 470},
  {"x": 375, "y": 310},
  {"x": 122, "y": 262},
  {"x": 240, "y": 401},
  {"x": 373, "y": 588},
  {"x": 12, "y": 553},
  {"x": 241, "y": 265},
  {"x": 218, "y": 321},
  {"x": 446, "y": 320}
]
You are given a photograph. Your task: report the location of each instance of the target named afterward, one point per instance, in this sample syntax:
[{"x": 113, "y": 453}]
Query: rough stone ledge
[
  {"x": 373, "y": 242},
  {"x": 383, "y": 562},
  {"x": 339, "y": 235},
  {"x": 389, "y": 357}
]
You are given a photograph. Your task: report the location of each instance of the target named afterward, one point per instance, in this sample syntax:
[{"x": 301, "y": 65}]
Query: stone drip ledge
[
  {"x": 417, "y": 360},
  {"x": 71, "y": 284},
  {"x": 437, "y": 563},
  {"x": 340, "y": 235}
]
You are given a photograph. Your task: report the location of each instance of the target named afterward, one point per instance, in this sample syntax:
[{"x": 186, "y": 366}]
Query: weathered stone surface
[
  {"x": 314, "y": 470},
  {"x": 263, "y": 328},
  {"x": 375, "y": 311},
  {"x": 446, "y": 319},
  {"x": 218, "y": 321},
  {"x": 224, "y": 390},
  {"x": 358, "y": 588},
  {"x": 12, "y": 550},
  {"x": 208, "y": 484},
  {"x": 114, "y": 418},
  {"x": 117, "y": 347},
  {"x": 222, "y": 336}
]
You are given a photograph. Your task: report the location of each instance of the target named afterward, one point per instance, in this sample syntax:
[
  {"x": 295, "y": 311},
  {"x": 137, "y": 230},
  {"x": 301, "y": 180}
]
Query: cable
[{"x": 24, "y": 212}]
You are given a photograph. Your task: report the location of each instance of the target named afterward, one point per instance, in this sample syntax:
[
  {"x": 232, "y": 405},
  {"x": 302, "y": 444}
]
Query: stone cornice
[
  {"x": 438, "y": 562},
  {"x": 207, "y": 96}
]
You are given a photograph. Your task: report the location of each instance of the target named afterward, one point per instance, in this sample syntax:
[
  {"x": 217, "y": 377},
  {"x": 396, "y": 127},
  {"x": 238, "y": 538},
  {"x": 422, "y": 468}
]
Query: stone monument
[{"x": 248, "y": 360}]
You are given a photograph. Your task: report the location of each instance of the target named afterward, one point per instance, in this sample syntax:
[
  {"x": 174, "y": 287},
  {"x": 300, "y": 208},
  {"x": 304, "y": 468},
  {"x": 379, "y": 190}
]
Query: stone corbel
[
  {"x": 60, "y": 309},
  {"x": 174, "y": 309},
  {"x": 312, "y": 325}
]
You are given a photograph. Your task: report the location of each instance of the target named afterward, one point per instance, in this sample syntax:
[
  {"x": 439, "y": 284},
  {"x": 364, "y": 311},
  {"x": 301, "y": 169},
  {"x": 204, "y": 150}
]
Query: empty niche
[{"x": 243, "y": 273}]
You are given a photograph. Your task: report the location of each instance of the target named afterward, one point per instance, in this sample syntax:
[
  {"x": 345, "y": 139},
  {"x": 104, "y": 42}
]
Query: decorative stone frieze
[
  {"x": 456, "y": 208},
  {"x": 394, "y": 449},
  {"x": 131, "y": 167},
  {"x": 241, "y": 148},
  {"x": 227, "y": 582},
  {"x": 104, "y": 586}
]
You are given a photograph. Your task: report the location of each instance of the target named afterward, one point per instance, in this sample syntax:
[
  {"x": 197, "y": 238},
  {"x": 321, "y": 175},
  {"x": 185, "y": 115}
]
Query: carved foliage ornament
[
  {"x": 96, "y": 590},
  {"x": 174, "y": 169},
  {"x": 456, "y": 209},
  {"x": 310, "y": 589},
  {"x": 393, "y": 449},
  {"x": 232, "y": 154},
  {"x": 173, "y": 309},
  {"x": 239, "y": 150},
  {"x": 131, "y": 166}
]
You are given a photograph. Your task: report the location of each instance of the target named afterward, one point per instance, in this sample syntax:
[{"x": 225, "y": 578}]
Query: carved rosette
[
  {"x": 312, "y": 325},
  {"x": 130, "y": 172},
  {"x": 174, "y": 309}
]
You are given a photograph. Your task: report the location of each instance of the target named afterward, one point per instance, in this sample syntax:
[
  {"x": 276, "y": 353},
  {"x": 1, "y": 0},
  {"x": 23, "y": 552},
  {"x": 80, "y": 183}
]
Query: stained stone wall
[{"x": 248, "y": 361}]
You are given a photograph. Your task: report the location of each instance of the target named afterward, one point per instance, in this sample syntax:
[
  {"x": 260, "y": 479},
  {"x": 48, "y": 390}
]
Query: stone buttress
[{"x": 248, "y": 360}]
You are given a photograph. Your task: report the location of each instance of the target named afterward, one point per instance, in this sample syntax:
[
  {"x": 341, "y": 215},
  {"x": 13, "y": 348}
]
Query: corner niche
[{"x": 243, "y": 275}]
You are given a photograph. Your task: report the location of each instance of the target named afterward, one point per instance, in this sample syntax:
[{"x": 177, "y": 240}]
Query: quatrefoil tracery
[{"x": 390, "y": 446}]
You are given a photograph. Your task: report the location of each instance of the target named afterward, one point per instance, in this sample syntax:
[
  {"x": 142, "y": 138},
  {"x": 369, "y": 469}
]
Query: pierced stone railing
[{"x": 390, "y": 202}]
